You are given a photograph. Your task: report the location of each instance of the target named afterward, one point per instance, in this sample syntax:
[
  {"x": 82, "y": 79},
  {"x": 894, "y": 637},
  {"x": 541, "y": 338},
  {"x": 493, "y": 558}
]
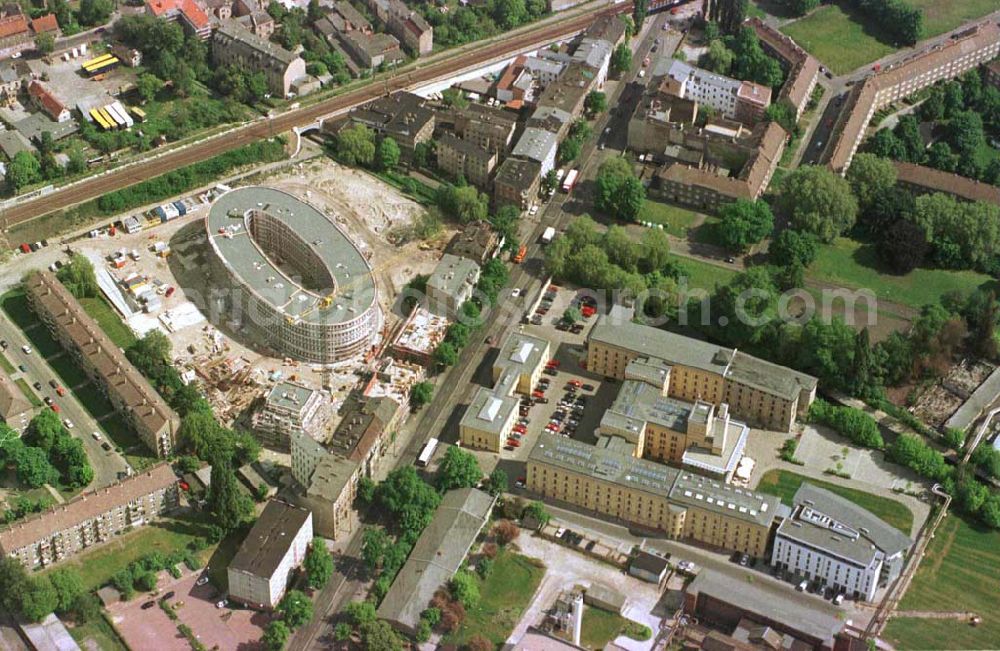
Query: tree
[
  {"x": 94, "y": 12},
  {"x": 23, "y": 170},
  {"x": 869, "y": 176},
  {"x": 45, "y": 42},
  {"x": 932, "y": 108},
  {"x": 374, "y": 542},
  {"x": 497, "y": 482},
  {"x": 904, "y": 247},
  {"x": 619, "y": 192},
  {"x": 295, "y": 608},
  {"x": 275, "y": 636},
  {"x": 148, "y": 85},
  {"x": 445, "y": 355},
  {"x": 744, "y": 223},
  {"x": 569, "y": 150},
  {"x": 464, "y": 588},
  {"x": 639, "y": 8},
  {"x": 729, "y": 14},
  {"x": 380, "y": 636},
  {"x": 965, "y": 132},
  {"x": 621, "y": 59},
  {"x": 954, "y": 438},
  {"x": 388, "y": 154},
  {"x": 318, "y": 563},
  {"x": 550, "y": 182},
  {"x": 596, "y": 102},
  {"x": 505, "y": 532},
  {"x": 80, "y": 279},
  {"x": 818, "y": 201},
  {"x": 801, "y": 7},
  {"x": 940, "y": 157},
  {"x": 68, "y": 586},
  {"x": 719, "y": 58},
  {"x": 38, "y": 599},
  {"x": 885, "y": 144},
  {"x": 33, "y": 467},
  {"x": 792, "y": 247},
  {"x": 537, "y": 511},
  {"x": 229, "y": 505},
  {"x": 360, "y": 612},
  {"x": 356, "y": 145},
  {"x": 464, "y": 203},
  {"x": 459, "y": 469},
  {"x": 421, "y": 394}
]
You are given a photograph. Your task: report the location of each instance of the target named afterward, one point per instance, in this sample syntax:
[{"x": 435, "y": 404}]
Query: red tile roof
[
  {"x": 46, "y": 23},
  {"x": 13, "y": 25},
  {"x": 49, "y": 103},
  {"x": 194, "y": 14},
  {"x": 160, "y": 7}
]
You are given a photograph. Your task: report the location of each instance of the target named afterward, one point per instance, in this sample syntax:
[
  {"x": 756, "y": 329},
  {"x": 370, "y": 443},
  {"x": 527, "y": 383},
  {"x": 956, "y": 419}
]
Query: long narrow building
[
  {"x": 129, "y": 392},
  {"x": 90, "y": 519}
]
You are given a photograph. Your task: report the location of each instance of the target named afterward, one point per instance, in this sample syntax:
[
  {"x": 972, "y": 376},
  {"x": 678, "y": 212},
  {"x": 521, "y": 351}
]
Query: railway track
[{"x": 215, "y": 145}]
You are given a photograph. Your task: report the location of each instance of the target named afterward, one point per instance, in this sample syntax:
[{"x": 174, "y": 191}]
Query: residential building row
[
  {"x": 348, "y": 31},
  {"x": 405, "y": 24},
  {"x": 90, "y": 519},
  {"x": 801, "y": 68},
  {"x": 919, "y": 179},
  {"x": 129, "y": 392},
  {"x": 744, "y": 101},
  {"x": 275, "y": 547},
  {"x": 18, "y": 31},
  {"x": 234, "y": 45},
  {"x": 945, "y": 60}
]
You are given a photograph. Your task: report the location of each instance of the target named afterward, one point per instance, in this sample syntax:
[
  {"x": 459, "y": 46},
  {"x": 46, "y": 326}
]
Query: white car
[
  {"x": 26, "y": 349},
  {"x": 96, "y": 435},
  {"x": 68, "y": 423},
  {"x": 515, "y": 292},
  {"x": 202, "y": 581},
  {"x": 533, "y": 210},
  {"x": 222, "y": 604}
]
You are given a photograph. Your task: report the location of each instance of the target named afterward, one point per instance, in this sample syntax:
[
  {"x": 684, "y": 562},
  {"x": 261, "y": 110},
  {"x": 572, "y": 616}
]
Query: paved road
[{"x": 106, "y": 464}]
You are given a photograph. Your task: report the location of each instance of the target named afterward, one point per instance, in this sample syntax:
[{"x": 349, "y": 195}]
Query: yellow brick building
[
  {"x": 607, "y": 479},
  {"x": 758, "y": 392}
]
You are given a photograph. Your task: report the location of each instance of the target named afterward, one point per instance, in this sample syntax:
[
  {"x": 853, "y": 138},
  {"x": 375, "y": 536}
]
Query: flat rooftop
[
  {"x": 228, "y": 234},
  {"x": 712, "y": 495},
  {"x": 488, "y": 411}
]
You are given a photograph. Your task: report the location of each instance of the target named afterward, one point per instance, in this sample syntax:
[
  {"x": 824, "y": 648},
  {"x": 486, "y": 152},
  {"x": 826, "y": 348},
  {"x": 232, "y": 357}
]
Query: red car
[
  {"x": 576, "y": 383},
  {"x": 520, "y": 429},
  {"x": 184, "y": 485},
  {"x": 538, "y": 394},
  {"x": 514, "y": 443},
  {"x": 61, "y": 391},
  {"x": 552, "y": 363},
  {"x": 55, "y": 407}
]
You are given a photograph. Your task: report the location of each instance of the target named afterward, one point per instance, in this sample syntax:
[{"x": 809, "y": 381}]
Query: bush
[{"x": 856, "y": 425}]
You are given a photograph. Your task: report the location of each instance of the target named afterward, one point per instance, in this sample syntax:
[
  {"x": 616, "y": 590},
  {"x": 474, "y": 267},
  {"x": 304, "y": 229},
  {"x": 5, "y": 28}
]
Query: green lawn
[
  {"x": 22, "y": 384},
  {"x": 848, "y": 263},
  {"x": 783, "y": 484},
  {"x": 164, "y": 535},
  {"x": 703, "y": 275},
  {"x": 5, "y": 364},
  {"x": 960, "y": 572},
  {"x": 839, "y": 37},
  {"x": 100, "y": 631},
  {"x": 845, "y": 39},
  {"x": 676, "y": 220},
  {"x": 503, "y": 598},
  {"x": 108, "y": 319},
  {"x": 708, "y": 232}
]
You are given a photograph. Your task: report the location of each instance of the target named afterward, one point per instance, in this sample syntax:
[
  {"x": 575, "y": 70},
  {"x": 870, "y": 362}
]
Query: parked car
[
  {"x": 148, "y": 605},
  {"x": 96, "y": 435},
  {"x": 26, "y": 349},
  {"x": 106, "y": 446},
  {"x": 38, "y": 386},
  {"x": 519, "y": 483},
  {"x": 202, "y": 581},
  {"x": 801, "y": 587}
]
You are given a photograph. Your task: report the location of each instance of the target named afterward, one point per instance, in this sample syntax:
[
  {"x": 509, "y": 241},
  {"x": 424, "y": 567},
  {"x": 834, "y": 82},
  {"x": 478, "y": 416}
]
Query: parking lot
[{"x": 148, "y": 627}]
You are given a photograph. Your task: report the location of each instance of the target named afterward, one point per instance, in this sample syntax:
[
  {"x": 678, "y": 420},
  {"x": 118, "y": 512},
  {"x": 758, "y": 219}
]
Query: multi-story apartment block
[
  {"x": 234, "y": 45},
  {"x": 836, "y": 544},
  {"x": 465, "y": 158},
  {"x": 992, "y": 76},
  {"x": 104, "y": 362},
  {"x": 488, "y": 128},
  {"x": 539, "y": 145},
  {"x": 918, "y": 179},
  {"x": 708, "y": 186},
  {"x": 188, "y": 12},
  {"x": 490, "y": 417},
  {"x": 451, "y": 284},
  {"x": 517, "y": 182},
  {"x": 288, "y": 407},
  {"x": 964, "y": 51},
  {"x": 328, "y": 470},
  {"x": 347, "y": 29},
  {"x": 802, "y": 69},
  {"x": 760, "y": 393},
  {"x": 477, "y": 241},
  {"x": 402, "y": 116},
  {"x": 90, "y": 519},
  {"x": 608, "y": 479},
  {"x": 276, "y": 545},
  {"x": 405, "y": 24},
  {"x": 738, "y": 100}
]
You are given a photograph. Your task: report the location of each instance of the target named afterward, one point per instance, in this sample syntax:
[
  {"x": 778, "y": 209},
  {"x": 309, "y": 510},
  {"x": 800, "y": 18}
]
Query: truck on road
[
  {"x": 548, "y": 235},
  {"x": 570, "y": 181}
]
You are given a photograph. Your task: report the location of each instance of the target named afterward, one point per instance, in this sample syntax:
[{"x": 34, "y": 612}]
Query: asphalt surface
[{"x": 106, "y": 464}]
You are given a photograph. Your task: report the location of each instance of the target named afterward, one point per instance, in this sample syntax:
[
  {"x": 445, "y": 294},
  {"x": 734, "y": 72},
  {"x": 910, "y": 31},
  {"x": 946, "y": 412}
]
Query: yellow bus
[
  {"x": 99, "y": 119},
  {"x": 139, "y": 114},
  {"x": 112, "y": 123},
  {"x": 100, "y": 65}
]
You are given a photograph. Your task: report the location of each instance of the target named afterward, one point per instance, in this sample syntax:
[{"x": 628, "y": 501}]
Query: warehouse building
[
  {"x": 103, "y": 361},
  {"x": 91, "y": 519},
  {"x": 274, "y": 548},
  {"x": 758, "y": 392},
  {"x": 327, "y": 310},
  {"x": 834, "y": 543}
]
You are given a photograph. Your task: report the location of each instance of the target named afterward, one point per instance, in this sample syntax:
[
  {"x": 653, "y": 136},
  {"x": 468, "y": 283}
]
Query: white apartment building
[
  {"x": 276, "y": 545},
  {"x": 835, "y": 544},
  {"x": 734, "y": 99},
  {"x": 289, "y": 407}
]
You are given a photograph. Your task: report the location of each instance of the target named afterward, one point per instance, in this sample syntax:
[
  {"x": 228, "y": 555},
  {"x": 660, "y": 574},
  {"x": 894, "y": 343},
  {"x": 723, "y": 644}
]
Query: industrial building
[
  {"x": 276, "y": 545},
  {"x": 758, "y": 392},
  {"x": 297, "y": 284},
  {"x": 91, "y": 518}
]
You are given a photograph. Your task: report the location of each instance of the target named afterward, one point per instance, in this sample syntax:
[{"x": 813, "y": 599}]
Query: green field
[
  {"x": 838, "y": 37},
  {"x": 960, "y": 572},
  {"x": 676, "y": 220},
  {"x": 602, "y": 626},
  {"x": 22, "y": 384},
  {"x": 783, "y": 484},
  {"x": 108, "y": 319},
  {"x": 844, "y": 39},
  {"x": 848, "y": 263},
  {"x": 100, "y": 631},
  {"x": 703, "y": 275},
  {"x": 165, "y": 535},
  {"x": 503, "y": 598}
]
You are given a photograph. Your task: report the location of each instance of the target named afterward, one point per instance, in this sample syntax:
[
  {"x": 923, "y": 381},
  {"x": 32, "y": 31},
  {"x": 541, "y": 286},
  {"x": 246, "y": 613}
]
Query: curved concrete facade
[{"x": 298, "y": 285}]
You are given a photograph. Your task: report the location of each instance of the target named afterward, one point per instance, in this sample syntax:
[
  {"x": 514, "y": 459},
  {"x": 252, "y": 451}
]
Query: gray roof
[
  {"x": 612, "y": 462},
  {"x": 354, "y": 290},
  {"x": 817, "y": 618},
  {"x": 733, "y": 444},
  {"x": 594, "y": 53},
  {"x": 12, "y": 142},
  {"x": 289, "y": 395},
  {"x": 237, "y": 32},
  {"x": 452, "y": 273},
  {"x": 465, "y": 147},
  {"x": 980, "y": 399},
  {"x": 648, "y": 562},
  {"x": 839, "y": 527},
  {"x": 269, "y": 539},
  {"x": 653, "y": 342},
  {"x": 536, "y": 144},
  {"x": 521, "y": 352},
  {"x": 518, "y": 173},
  {"x": 768, "y": 377},
  {"x": 437, "y": 555},
  {"x": 488, "y": 410},
  {"x": 638, "y": 403},
  {"x": 711, "y": 495},
  {"x": 331, "y": 475}
]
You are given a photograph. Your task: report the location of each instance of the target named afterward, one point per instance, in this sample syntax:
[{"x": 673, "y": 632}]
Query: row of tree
[
  {"x": 898, "y": 19},
  {"x": 478, "y": 21},
  {"x": 493, "y": 276},
  {"x": 740, "y": 55}
]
